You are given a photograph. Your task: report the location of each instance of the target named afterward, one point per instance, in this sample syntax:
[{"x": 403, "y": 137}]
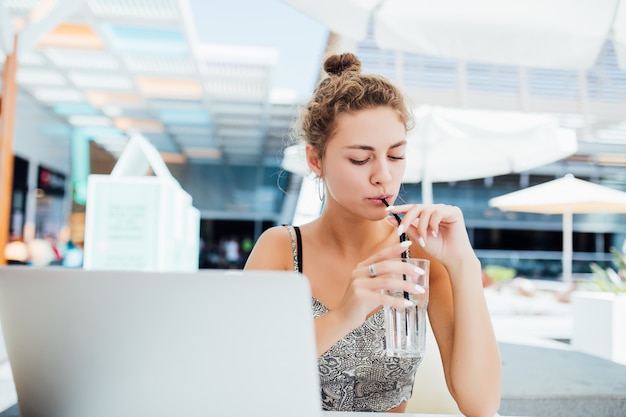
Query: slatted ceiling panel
[
  {"x": 89, "y": 120},
  {"x": 203, "y": 155},
  {"x": 187, "y": 117},
  {"x": 188, "y": 123},
  {"x": 100, "y": 80},
  {"x": 281, "y": 122},
  {"x": 197, "y": 141},
  {"x": 140, "y": 113},
  {"x": 157, "y": 137},
  {"x": 553, "y": 83},
  {"x": 252, "y": 121},
  {"x": 252, "y": 91},
  {"x": 372, "y": 56},
  {"x": 606, "y": 81},
  {"x": 149, "y": 64},
  {"x": 54, "y": 95},
  {"x": 31, "y": 58},
  {"x": 237, "y": 70},
  {"x": 171, "y": 127},
  {"x": 243, "y": 153},
  {"x": 285, "y": 110},
  {"x": 492, "y": 78},
  {"x": 238, "y": 157},
  {"x": 164, "y": 103},
  {"x": 179, "y": 130},
  {"x": 81, "y": 109},
  {"x": 167, "y": 146},
  {"x": 376, "y": 61},
  {"x": 234, "y": 141},
  {"x": 40, "y": 77},
  {"x": 20, "y": 5},
  {"x": 141, "y": 9},
  {"x": 112, "y": 143},
  {"x": 238, "y": 131},
  {"x": 68, "y": 58},
  {"x": 230, "y": 108},
  {"x": 240, "y": 144},
  {"x": 182, "y": 88},
  {"x": 431, "y": 73},
  {"x": 247, "y": 119}
]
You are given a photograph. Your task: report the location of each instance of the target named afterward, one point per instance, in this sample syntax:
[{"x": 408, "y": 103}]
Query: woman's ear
[{"x": 313, "y": 160}]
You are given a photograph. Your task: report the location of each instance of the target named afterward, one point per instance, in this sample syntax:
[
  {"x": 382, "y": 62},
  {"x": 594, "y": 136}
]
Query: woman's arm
[{"x": 462, "y": 326}]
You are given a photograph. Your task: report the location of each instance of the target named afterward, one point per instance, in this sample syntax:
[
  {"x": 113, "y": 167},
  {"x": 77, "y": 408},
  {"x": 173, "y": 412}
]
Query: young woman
[{"x": 355, "y": 132}]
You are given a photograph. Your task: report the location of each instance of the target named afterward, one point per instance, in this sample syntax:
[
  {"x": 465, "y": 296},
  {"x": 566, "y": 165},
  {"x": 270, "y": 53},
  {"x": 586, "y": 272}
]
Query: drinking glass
[{"x": 405, "y": 327}]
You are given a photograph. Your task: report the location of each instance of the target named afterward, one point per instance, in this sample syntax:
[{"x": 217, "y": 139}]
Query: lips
[{"x": 383, "y": 196}]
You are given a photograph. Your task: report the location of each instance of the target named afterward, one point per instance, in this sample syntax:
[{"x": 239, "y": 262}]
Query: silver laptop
[{"x": 133, "y": 344}]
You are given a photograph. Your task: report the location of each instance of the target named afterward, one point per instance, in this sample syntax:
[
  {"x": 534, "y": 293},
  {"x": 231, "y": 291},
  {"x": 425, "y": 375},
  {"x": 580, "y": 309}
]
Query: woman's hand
[
  {"x": 372, "y": 279},
  {"x": 439, "y": 228}
]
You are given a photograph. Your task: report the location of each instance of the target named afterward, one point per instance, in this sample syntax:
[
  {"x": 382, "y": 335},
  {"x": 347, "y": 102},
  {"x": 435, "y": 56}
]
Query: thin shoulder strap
[
  {"x": 299, "y": 247},
  {"x": 296, "y": 247}
]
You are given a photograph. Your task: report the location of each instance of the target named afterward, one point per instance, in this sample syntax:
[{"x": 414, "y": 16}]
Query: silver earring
[{"x": 320, "y": 189}]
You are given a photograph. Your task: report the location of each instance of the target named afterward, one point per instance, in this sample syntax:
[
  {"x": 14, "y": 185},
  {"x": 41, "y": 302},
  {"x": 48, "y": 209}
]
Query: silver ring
[{"x": 372, "y": 270}]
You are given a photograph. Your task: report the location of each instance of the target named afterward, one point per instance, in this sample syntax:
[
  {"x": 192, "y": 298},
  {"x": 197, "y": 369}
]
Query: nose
[{"x": 381, "y": 171}]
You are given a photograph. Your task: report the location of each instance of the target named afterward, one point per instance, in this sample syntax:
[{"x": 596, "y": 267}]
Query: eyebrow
[{"x": 371, "y": 148}]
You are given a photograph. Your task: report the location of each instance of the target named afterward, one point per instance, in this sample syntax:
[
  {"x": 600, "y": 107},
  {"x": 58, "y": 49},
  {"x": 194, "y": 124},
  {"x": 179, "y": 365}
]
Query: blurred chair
[
  {"x": 16, "y": 253},
  {"x": 41, "y": 252},
  {"x": 430, "y": 392}
]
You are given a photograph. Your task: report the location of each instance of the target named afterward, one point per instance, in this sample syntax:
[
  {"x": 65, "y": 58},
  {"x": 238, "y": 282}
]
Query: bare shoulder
[{"x": 272, "y": 250}]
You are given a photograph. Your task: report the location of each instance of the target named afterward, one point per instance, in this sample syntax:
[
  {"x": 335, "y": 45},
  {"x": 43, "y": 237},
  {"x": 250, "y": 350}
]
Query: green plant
[
  {"x": 608, "y": 279},
  {"x": 500, "y": 274}
]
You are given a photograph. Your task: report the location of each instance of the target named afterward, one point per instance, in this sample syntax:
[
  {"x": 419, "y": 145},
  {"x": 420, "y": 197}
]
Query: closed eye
[{"x": 364, "y": 161}]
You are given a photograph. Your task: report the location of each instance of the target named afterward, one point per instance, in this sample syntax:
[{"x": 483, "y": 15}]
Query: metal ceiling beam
[
  {"x": 46, "y": 16},
  {"x": 6, "y": 30}
]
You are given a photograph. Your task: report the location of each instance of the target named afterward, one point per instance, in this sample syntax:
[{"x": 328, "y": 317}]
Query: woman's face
[{"x": 365, "y": 160}]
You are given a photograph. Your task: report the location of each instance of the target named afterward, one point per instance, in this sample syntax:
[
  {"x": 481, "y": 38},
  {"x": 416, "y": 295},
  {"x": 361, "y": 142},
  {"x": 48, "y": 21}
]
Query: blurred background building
[{"x": 216, "y": 86}]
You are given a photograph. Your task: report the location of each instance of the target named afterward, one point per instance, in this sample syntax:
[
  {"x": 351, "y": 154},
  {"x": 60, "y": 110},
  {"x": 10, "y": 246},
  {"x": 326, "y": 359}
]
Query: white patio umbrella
[
  {"x": 458, "y": 144},
  {"x": 533, "y": 33},
  {"x": 566, "y": 196}
]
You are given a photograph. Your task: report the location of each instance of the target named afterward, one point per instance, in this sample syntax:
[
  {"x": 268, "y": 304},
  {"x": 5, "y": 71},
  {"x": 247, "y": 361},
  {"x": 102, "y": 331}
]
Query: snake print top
[{"x": 355, "y": 373}]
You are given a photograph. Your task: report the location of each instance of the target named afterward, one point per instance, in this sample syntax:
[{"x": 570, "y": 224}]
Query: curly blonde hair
[{"x": 346, "y": 90}]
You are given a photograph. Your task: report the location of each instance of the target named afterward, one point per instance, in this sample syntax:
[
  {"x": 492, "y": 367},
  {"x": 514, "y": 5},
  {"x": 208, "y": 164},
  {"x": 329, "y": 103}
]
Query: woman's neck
[{"x": 351, "y": 236}]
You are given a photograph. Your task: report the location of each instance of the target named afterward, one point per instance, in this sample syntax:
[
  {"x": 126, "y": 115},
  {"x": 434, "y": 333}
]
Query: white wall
[{"x": 42, "y": 138}]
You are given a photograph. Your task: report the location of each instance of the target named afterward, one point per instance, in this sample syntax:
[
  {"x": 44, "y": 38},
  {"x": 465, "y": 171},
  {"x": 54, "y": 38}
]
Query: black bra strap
[{"x": 299, "y": 240}]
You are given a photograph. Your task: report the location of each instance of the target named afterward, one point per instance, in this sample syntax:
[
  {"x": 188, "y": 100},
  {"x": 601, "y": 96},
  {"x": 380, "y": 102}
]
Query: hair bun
[{"x": 339, "y": 64}]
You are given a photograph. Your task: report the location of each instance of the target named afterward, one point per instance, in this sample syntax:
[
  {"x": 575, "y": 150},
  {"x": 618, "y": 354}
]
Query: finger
[
  {"x": 396, "y": 302},
  {"x": 412, "y": 214},
  {"x": 435, "y": 221},
  {"x": 397, "y": 269},
  {"x": 421, "y": 226},
  {"x": 393, "y": 286},
  {"x": 402, "y": 224},
  {"x": 428, "y": 222}
]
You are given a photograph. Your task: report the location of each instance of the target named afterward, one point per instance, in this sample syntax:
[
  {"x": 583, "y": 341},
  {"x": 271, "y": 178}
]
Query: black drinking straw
[{"x": 403, "y": 237}]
